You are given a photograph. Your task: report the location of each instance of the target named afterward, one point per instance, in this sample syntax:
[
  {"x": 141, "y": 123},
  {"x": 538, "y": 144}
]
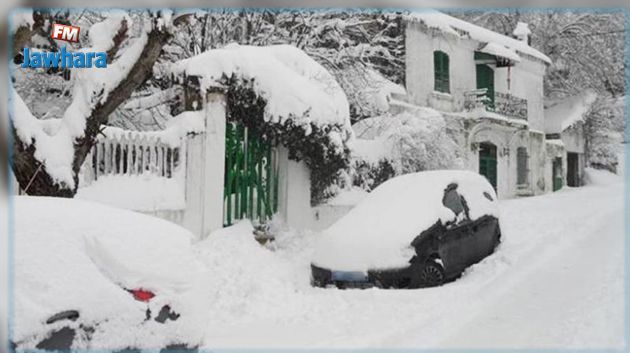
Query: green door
[
  {"x": 485, "y": 79},
  {"x": 557, "y": 174},
  {"x": 251, "y": 182},
  {"x": 488, "y": 162}
]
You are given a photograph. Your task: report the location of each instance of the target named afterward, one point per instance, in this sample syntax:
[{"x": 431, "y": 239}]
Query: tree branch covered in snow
[
  {"x": 351, "y": 45},
  {"x": 47, "y": 161}
]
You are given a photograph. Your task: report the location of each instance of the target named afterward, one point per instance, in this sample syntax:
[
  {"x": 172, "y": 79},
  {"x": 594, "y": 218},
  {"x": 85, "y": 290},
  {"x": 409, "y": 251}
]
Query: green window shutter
[
  {"x": 485, "y": 79},
  {"x": 521, "y": 166},
  {"x": 441, "y": 71}
]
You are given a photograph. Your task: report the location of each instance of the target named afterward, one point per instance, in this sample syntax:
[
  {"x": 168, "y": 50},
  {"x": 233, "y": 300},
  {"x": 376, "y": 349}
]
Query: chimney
[{"x": 522, "y": 32}]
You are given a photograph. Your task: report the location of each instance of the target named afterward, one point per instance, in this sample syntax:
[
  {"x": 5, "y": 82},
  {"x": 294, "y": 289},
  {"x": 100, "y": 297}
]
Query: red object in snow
[{"x": 142, "y": 295}]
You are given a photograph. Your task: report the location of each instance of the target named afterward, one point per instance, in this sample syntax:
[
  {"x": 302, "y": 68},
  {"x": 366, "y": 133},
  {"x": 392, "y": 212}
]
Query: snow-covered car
[
  {"x": 415, "y": 230},
  {"x": 90, "y": 276}
]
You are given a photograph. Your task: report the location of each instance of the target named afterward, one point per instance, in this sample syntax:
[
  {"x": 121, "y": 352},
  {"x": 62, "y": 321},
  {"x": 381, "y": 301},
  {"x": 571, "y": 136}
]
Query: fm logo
[{"x": 66, "y": 33}]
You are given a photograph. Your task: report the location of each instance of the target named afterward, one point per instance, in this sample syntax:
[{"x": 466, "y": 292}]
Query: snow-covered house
[
  {"x": 490, "y": 89},
  {"x": 564, "y": 129}
]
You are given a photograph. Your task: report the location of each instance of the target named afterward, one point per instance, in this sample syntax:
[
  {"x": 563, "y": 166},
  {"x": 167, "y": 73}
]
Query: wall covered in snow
[{"x": 420, "y": 70}]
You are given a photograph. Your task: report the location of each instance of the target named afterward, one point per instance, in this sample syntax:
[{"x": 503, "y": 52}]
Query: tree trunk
[{"x": 32, "y": 175}]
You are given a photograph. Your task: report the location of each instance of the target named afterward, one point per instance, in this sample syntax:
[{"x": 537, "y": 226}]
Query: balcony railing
[{"x": 504, "y": 103}]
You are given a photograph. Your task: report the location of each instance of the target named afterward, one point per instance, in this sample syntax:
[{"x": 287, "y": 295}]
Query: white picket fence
[
  {"x": 120, "y": 152},
  {"x": 132, "y": 153}
]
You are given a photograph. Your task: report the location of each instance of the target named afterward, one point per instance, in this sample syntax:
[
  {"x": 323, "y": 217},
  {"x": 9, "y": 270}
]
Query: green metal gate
[
  {"x": 488, "y": 162},
  {"x": 251, "y": 177}
]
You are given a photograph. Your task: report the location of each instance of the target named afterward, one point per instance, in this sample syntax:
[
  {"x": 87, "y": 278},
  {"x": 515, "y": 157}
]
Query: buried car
[
  {"x": 90, "y": 276},
  {"x": 415, "y": 230}
]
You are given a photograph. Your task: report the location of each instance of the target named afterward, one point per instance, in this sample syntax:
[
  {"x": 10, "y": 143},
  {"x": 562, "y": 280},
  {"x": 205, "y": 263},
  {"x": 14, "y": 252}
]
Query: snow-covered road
[{"x": 555, "y": 281}]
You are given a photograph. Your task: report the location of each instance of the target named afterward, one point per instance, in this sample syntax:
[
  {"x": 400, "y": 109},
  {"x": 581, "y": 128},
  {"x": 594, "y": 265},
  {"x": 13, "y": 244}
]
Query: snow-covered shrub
[
  {"x": 368, "y": 92},
  {"x": 604, "y": 129},
  {"x": 403, "y": 143},
  {"x": 367, "y": 175}
]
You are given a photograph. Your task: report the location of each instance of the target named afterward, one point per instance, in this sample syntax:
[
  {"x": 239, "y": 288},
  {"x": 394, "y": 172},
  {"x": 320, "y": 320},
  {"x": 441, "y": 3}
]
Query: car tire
[{"x": 432, "y": 274}]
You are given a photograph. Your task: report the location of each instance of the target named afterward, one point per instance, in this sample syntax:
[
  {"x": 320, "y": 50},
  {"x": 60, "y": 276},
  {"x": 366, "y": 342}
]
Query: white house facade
[
  {"x": 490, "y": 89},
  {"x": 566, "y": 143}
]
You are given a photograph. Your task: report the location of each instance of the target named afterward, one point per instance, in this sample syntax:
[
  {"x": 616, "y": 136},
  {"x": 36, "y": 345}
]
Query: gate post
[
  {"x": 205, "y": 165},
  {"x": 294, "y": 191}
]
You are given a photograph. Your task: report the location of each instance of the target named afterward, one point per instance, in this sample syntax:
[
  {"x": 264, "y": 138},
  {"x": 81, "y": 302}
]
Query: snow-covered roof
[
  {"x": 567, "y": 112},
  {"x": 378, "y": 232},
  {"x": 452, "y": 25},
  {"x": 500, "y": 51},
  {"x": 293, "y": 84}
]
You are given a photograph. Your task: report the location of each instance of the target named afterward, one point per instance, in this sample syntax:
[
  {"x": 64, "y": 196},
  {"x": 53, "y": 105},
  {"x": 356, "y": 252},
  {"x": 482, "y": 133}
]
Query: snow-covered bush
[
  {"x": 403, "y": 143},
  {"x": 368, "y": 175},
  {"x": 604, "y": 129},
  {"x": 369, "y": 93}
]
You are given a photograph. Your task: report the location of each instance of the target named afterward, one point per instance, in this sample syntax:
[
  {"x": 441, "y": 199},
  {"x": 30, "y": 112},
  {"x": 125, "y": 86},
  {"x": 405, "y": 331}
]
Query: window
[
  {"x": 441, "y": 74},
  {"x": 521, "y": 166}
]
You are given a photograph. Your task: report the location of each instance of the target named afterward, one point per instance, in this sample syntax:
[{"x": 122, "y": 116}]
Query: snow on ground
[
  {"x": 600, "y": 177},
  {"x": 555, "y": 282},
  {"x": 348, "y": 197},
  {"x": 136, "y": 192}
]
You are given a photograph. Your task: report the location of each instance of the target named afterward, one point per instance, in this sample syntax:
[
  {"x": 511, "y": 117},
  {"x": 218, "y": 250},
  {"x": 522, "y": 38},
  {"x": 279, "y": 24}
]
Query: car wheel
[{"x": 432, "y": 274}]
